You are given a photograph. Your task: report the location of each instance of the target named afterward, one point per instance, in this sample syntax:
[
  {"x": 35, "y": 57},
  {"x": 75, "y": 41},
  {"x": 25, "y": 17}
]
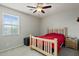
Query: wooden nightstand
[{"x": 71, "y": 43}]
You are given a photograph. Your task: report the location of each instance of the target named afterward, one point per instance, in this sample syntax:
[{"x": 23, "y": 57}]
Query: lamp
[
  {"x": 78, "y": 19},
  {"x": 39, "y": 9}
]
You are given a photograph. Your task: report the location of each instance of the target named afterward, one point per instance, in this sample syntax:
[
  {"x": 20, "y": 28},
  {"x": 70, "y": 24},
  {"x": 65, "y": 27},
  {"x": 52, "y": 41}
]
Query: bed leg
[
  {"x": 30, "y": 40},
  {"x": 55, "y": 47}
]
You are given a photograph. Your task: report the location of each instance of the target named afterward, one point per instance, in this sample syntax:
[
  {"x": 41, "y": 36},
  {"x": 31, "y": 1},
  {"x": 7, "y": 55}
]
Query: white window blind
[{"x": 10, "y": 24}]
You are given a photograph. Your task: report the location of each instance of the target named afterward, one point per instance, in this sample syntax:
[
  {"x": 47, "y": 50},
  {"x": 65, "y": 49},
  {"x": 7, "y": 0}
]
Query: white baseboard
[{"x": 3, "y": 50}]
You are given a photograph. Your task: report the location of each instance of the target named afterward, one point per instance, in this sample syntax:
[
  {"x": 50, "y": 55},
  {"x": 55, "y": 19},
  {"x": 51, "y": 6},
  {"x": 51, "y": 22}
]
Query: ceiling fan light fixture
[{"x": 39, "y": 9}]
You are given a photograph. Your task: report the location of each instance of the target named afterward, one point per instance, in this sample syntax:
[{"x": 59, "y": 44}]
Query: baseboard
[{"x": 3, "y": 50}]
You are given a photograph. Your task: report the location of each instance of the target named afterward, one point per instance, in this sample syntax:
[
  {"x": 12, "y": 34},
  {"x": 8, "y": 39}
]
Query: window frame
[{"x": 18, "y": 18}]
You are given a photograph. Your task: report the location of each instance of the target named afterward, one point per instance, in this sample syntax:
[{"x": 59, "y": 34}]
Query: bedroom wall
[
  {"x": 62, "y": 19},
  {"x": 28, "y": 24}
]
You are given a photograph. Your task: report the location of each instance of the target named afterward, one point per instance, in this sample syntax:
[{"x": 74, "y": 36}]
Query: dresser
[{"x": 71, "y": 43}]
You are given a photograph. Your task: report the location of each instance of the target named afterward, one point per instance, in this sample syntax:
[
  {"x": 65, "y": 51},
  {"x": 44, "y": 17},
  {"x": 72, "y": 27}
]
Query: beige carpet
[
  {"x": 26, "y": 51},
  {"x": 21, "y": 51}
]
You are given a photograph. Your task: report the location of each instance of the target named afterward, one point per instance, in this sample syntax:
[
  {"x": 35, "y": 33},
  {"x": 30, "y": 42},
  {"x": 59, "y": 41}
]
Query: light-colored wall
[
  {"x": 35, "y": 26},
  {"x": 28, "y": 24},
  {"x": 62, "y": 19}
]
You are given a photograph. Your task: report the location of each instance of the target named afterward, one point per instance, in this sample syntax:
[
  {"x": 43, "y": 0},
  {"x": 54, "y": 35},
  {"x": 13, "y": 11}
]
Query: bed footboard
[{"x": 43, "y": 46}]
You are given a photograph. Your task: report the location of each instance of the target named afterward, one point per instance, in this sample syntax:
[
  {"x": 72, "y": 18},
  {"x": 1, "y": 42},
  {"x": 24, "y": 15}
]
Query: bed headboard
[{"x": 58, "y": 30}]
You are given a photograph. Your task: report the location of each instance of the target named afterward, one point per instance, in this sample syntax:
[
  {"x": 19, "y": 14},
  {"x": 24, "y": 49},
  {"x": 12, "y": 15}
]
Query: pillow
[
  {"x": 54, "y": 34},
  {"x": 51, "y": 33}
]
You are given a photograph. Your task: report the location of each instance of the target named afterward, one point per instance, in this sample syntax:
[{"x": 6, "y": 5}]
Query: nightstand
[
  {"x": 26, "y": 41},
  {"x": 71, "y": 42}
]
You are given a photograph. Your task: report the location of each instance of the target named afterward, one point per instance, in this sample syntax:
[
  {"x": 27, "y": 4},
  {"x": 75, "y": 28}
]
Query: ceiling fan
[{"x": 39, "y": 7}]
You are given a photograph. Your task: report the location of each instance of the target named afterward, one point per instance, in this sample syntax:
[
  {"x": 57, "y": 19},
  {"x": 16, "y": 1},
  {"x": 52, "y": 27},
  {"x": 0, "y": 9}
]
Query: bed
[{"x": 50, "y": 43}]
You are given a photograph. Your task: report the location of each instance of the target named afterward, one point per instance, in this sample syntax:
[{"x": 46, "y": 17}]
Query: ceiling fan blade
[
  {"x": 42, "y": 11},
  {"x": 45, "y": 7},
  {"x": 34, "y": 11},
  {"x": 31, "y": 7}
]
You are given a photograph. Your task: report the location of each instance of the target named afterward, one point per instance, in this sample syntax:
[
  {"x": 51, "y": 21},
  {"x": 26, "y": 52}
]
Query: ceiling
[{"x": 56, "y": 7}]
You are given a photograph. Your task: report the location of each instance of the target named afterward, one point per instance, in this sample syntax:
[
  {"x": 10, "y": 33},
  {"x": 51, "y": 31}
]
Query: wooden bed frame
[{"x": 46, "y": 47}]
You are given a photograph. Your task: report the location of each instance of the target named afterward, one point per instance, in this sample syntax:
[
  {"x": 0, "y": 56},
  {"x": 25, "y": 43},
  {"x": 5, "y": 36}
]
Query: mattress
[{"x": 51, "y": 36}]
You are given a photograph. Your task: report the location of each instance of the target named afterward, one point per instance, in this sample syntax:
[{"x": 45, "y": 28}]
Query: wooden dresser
[{"x": 71, "y": 43}]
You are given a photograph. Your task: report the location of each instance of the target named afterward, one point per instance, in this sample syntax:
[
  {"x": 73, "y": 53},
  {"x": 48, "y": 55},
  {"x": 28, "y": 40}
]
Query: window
[{"x": 10, "y": 24}]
